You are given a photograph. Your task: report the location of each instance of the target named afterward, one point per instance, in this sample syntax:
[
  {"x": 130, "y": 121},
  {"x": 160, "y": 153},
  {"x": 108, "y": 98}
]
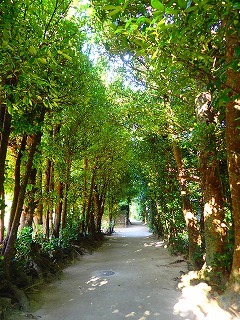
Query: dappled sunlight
[
  {"x": 154, "y": 244},
  {"x": 145, "y": 315},
  {"x": 196, "y": 302},
  {"x": 95, "y": 282}
]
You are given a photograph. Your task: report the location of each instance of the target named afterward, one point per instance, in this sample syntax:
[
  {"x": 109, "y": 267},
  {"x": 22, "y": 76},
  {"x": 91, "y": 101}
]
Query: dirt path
[{"x": 132, "y": 276}]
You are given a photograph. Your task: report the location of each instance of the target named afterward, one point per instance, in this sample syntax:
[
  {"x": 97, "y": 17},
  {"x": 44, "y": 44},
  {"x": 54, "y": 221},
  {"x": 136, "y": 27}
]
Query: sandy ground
[{"x": 132, "y": 276}]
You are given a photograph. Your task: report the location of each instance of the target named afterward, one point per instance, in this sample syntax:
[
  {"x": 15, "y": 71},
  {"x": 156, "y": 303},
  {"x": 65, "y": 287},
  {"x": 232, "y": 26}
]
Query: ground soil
[{"x": 131, "y": 276}]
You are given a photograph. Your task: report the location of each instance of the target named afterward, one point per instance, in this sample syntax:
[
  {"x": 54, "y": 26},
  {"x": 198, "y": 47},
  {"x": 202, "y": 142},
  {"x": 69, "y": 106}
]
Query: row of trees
[
  {"x": 63, "y": 151},
  {"x": 185, "y": 54}
]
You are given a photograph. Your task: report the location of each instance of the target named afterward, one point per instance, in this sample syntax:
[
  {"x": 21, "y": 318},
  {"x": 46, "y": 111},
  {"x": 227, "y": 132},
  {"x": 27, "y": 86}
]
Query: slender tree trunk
[
  {"x": 9, "y": 249},
  {"x": 84, "y": 196},
  {"x": 215, "y": 230},
  {"x": 233, "y": 156},
  {"x": 28, "y": 210},
  {"x": 65, "y": 194},
  {"x": 160, "y": 228},
  {"x": 38, "y": 214},
  {"x": 17, "y": 178},
  {"x": 99, "y": 206},
  {"x": 128, "y": 212},
  {"x": 88, "y": 221},
  {"x": 58, "y": 211},
  {"x": 190, "y": 219},
  {"x": 47, "y": 189},
  {"x": 4, "y": 136},
  {"x": 2, "y": 215}
]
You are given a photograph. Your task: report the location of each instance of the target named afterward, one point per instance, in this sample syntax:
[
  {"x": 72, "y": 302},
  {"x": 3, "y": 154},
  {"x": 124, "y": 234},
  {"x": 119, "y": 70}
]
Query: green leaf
[
  {"x": 171, "y": 11},
  {"x": 156, "y": 4},
  {"x": 109, "y": 7},
  {"x": 42, "y": 60},
  {"x": 182, "y": 4},
  {"x": 237, "y": 52},
  {"x": 118, "y": 9},
  {"x": 236, "y": 6},
  {"x": 190, "y": 9},
  {"x": 32, "y": 50},
  {"x": 66, "y": 56},
  {"x": 6, "y": 34}
]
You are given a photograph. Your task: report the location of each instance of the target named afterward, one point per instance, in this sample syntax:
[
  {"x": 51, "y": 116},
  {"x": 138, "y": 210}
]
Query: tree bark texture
[
  {"x": 88, "y": 215},
  {"x": 29, "y": 208},
  {"x": 99, "y": 203},
  {"x": 9, "y": 249},
  {"x": 58, "y": 210},
  {"x": 215, "y": 230},
  {"x": 4, "y": 136},
  {"x": 17, "y": 178},
  {"x": 65, "y": 193},
  {"x": 47, "y": 197},
  {"x": 2, "y": 215},
  {"x": 189, "y": 216},
  {"x": 233, "y": 154}
]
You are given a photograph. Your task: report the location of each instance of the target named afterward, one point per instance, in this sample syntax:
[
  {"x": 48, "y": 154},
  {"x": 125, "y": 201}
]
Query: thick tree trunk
[
  {"x": 233, "y": 156},
  {"x": 215, "y": 230},
  {"x": 189, "y": 216},
  {"x": 9, "y": 249}
]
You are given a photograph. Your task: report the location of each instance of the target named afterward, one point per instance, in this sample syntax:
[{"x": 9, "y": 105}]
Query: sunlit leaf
[
  {"x": 156, "y": 4},
  {"x": 118, "y": 9}
]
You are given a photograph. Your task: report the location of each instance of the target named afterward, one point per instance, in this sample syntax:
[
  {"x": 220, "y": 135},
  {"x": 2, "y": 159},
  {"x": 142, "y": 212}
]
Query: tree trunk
[
  {"x": 38, "y": 214},
  {"x": 99, "y": 200},
  {"x": 233, "y": 155},
  {"x": 65, "y": 194},
  {"x": 215, "y": 230},
  {"x": 2, "y": 215},
  {"x": 17, "y": 178},
  {"x": 9, "y": 249},
  {"x": 88, "y": 219},
  {"x": 84, "y": 195},
  {"x": 28, "y": 210},
  {"x": 46, "y": 198},
  {"x": 58, "y": 211},
  {"x": 190, "y": 219},
  {"x": 4, "y": 136}
]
